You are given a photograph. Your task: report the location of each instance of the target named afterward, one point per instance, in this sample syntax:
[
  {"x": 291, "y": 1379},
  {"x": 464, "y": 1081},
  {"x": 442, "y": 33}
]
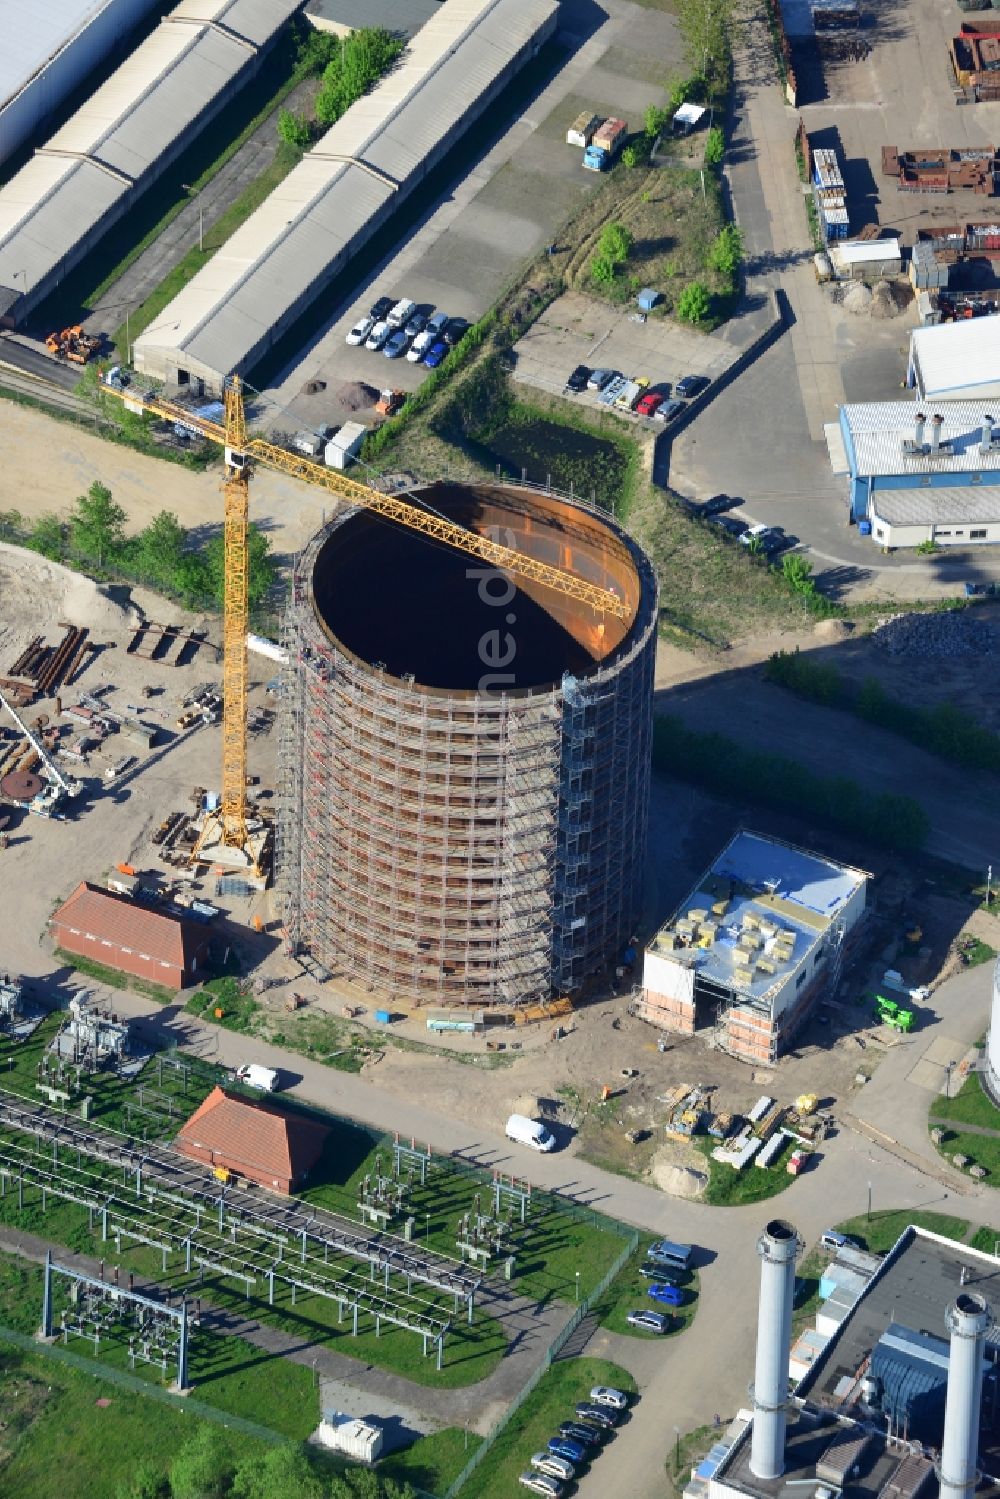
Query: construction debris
[{"x": 954, "y": 632}]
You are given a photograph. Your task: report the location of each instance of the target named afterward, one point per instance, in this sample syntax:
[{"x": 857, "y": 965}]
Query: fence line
[{"x": 551, "y": 1354}]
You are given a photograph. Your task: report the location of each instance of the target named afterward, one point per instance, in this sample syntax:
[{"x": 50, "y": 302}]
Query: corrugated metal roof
[
  {"x": 324, "y": 209},
  {"x": 878, "y": 428},
  {"x": 955, "y": 356},
  {"x": 33, "y": 33},
  {"x": 55, "y": 202},
  {"x": 950, "y": 505}
]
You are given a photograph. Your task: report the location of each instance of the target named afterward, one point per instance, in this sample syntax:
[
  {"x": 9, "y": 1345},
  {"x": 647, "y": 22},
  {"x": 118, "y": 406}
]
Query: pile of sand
[
  {"x": 857, "y": 299},
  {"x": 68, "y": 596},
  {"x": 884, "y": 304},
  {"x": 678, "y": 1181},
  {"x": 355, "y": 395},
  {"x": 832, "y": 629}
]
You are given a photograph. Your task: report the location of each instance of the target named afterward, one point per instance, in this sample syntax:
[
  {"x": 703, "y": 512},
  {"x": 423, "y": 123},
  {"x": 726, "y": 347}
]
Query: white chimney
[
  {"x": 968, "y": 1320},
  {"x": 918, "y": 430},
  {"x": 937, "y": 423},
  {"x": 778, "y": 1247}
]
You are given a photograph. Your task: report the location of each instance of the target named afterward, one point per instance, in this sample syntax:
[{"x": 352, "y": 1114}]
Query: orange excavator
[{"x": 74, "y": 345}]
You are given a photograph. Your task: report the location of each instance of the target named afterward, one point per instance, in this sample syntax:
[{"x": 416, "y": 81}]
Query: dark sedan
[{"x": 577, "y": 381}]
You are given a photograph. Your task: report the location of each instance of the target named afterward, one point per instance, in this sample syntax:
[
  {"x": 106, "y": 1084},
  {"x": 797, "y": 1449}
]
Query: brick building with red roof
[
  {"x": 116, "y": 931},
  {"x": 253, "y": 1140}
]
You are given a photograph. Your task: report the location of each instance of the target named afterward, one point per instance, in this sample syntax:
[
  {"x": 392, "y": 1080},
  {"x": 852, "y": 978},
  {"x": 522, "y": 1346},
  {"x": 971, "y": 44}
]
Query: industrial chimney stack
[
  {"x": 778, "y": 1247},
  {"x": 937, "y": 422},
  {"x": 968, "y": 1320},
  {"x": 918, "y": 430}
]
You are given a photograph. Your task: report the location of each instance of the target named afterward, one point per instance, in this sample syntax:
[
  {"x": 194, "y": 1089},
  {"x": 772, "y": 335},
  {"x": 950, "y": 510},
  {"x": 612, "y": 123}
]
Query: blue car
[
  {"x": 435, "y": 354},
  {"x": 669, "y": 1295},
  {"x": 573, "y": 1452}
]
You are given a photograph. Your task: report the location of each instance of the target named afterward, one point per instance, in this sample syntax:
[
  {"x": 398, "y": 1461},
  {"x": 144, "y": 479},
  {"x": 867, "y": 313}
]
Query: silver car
[
  {"x": 603, "y": 1394},
  {"x": 396, "y": 344},
  {"x": 555, "y": 1467},
  {"x": 541, "y": 1483}
]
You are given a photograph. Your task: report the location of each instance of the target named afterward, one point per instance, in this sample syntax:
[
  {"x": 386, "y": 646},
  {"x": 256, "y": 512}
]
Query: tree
[
  {"x": 630, "y": 157},
  {"x": 694, "y": 303},
  {"x": 48, "y": 536},
  {"x": 159, "y": 549},
  {"x": 706, "y": 27},
  {"x": 715, "y": 146},
  {"x": 678, "y": 93},
  {"x": 603, "y": 270},
  {"x": 203, "y": 1468},
  {"x": 260, "y": 567},
  {"x": 616, "y": 243},
  {"x": 294, "y": 130},
  {"x": 279, "y": 1473},
  {"x": 360, "y": 62},
  {"x": 146, "y": 1482},
  {"x": 657, "y": 119},
  {"x": 726, "y": 252},
  {"x": 97, "y": 524}
]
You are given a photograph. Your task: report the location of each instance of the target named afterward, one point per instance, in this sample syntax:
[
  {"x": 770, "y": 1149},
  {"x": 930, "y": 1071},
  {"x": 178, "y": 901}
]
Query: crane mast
[{"x": 228, "y": 826}]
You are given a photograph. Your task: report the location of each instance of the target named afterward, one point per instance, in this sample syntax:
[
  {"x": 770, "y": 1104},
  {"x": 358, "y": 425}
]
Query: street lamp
[
  {"x": 578, "y": 1286},
  {"x": 427, "y": 1227},
  {"x": 201, "y": 218},
  {"x": 869, "y": 1202}
]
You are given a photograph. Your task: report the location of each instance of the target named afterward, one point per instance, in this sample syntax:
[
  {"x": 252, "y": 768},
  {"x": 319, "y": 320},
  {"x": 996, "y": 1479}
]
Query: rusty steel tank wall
[{"x": 464, "y": 839}]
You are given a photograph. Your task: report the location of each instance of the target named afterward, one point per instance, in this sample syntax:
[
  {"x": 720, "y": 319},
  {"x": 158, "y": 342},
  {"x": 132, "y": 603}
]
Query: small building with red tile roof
[
  {"x": 254, "y": 1140},
  {"x": 133, "y": 938}
]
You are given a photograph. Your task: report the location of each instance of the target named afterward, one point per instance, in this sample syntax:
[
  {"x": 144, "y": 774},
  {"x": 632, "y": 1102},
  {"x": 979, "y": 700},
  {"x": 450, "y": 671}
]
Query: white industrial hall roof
[
  {"x": 354, "y": 177},
  {"x": 877, "y": 430},
  {"x": 33, "y": 33},
  {"x": 54, "y": 208},
  {"x": 959, "y": 357}
]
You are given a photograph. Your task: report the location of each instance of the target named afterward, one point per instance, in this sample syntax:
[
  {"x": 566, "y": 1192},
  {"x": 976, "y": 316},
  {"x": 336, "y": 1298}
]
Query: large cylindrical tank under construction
[{"x": 466, "y": 757}]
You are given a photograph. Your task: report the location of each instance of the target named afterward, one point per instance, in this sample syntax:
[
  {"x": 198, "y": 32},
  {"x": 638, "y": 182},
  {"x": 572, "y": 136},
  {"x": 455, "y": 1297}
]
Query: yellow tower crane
[{"x": 242, "y": 451}]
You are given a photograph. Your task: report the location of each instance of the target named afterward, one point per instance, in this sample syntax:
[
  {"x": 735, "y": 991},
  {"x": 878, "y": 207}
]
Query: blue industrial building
[{"x": 920, "y": 474}]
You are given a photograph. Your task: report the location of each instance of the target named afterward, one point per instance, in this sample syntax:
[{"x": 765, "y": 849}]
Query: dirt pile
[
  {"x": 355, "y": 395},
  {"x": 857, "y": 299},
  {"x": 884, "y": 303},
  {"x": 68, "y": 596},
  {"x": 954, "y": 632},
  {"x": 678, "y": 1181}
]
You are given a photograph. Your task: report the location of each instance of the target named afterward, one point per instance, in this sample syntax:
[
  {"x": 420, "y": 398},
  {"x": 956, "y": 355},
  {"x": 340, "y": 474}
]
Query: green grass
[
  {"x": 114, "y": 979},
  {"x": 807, "y": 1279},
  {"x": 976, "y": 952},
  {"x": 226, "y": 1372},
  {"x": 55, "y": 1440},
  {"x": 628, "y": 1293},
  {"x": 240, "y": 1011},
  {"x": 985, "y": 1239},
  {"x": 530, "y": 1427},
  {"x": 728, "y": 1187},
  {"x": 188, "y": 267},
  {"x": 981, "y": 1150},
  {"x": 432, "y": 1462},
  {"x": 971, "y": 1105},
  {"x": 880, "y": 1232}
]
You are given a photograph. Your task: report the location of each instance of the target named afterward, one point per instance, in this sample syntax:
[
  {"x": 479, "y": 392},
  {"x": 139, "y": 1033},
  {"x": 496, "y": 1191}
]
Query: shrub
[
  {"x": 294, "y": 129},
  {"x": 630, "y": 157},
  {"x": 356, "y": 65},
  {"x": 726, "y": 252},
  {"x": 694, "y": 303},
  {"x": 715, "y": 146}
]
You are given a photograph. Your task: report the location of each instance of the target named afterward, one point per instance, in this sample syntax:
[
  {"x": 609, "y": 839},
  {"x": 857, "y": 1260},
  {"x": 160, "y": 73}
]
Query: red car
[{"x": 649, "y": 404}]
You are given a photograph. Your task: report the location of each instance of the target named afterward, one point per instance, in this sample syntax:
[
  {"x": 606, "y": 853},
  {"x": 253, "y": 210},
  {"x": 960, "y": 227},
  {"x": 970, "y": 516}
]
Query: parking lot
[{"x": 472, "y": 242}]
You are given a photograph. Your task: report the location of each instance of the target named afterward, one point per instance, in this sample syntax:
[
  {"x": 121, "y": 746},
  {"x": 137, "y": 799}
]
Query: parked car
[
  {"x": 420, "y": 346},
  {"x": 649, "y": 1321},
  {"x": 691, "y": 385},
  {"x": 417, "y": 324},
  {"x": 555, "y": 1467},
  {"x": 587, "y": 1436},
  {"x": 577, "y": 381},
  {"x": 381, "y": 309},
  {"x": 719, "y": 503},
  {"x": 649, "y": 403},
  {"x": 541, "y": 1483},
  {"x": 455, "y": 331},
  {"x": 678, "y": 1256},
  {"x": 437, "y": 324},
  {"x": 667, "y": 410},
  {"x": 435, "y": 354},
  {"x": 604, "y": 1394},
  {"x": 401, "y": 313},
  {"x": 729, "y": 524},
  {"x": 600, "y": 378},
  {"x": 596, "y": 1415},
  {"x": 397, "y": 343},
  {"x": 565, "y": 1447},
  {"x": 525, "y": 1131},
  {"x": 652, "y": 1271},
  {"x": 768, "y": 539},
  {"x": 669, "y": 1295},
  {"x": 378, "y": 336},
  {"x": 830, "y": 1239},
  {"x": 360, "y": 332}
]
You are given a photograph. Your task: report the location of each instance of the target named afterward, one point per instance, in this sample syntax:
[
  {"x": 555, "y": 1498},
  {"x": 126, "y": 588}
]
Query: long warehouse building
[
  {"x": 48, "y": 50},
  {"x": 326, "y": 210},
  {"x": 93, "y": 170}
]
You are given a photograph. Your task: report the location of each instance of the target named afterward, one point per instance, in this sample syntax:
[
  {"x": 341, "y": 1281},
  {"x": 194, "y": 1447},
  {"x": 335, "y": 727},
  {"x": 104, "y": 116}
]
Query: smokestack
[
  {"x": 918, "y": 430},
  {"x": 777, "y": 1246},
  {"x": 986, "y": 440},
  {"x": 968, "y": 1320},
  {"x": 936, "y": 424}
]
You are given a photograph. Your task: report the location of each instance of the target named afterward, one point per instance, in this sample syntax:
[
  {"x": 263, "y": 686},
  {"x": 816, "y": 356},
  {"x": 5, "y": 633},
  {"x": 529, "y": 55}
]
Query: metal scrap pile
[{"x": 955, "y": 632}]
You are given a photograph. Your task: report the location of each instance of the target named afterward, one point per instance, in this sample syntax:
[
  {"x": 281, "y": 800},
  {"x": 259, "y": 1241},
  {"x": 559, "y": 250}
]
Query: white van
[
  {"x": 528, "y": 1132},
  {"x": 401, "y": 313},
  {"x": 255, "y": 1076}
]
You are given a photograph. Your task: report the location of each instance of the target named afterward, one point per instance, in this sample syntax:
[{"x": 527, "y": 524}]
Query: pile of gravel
[
  {"x": 356, "y": 396},
  {"x": 954, "y": 633}
]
